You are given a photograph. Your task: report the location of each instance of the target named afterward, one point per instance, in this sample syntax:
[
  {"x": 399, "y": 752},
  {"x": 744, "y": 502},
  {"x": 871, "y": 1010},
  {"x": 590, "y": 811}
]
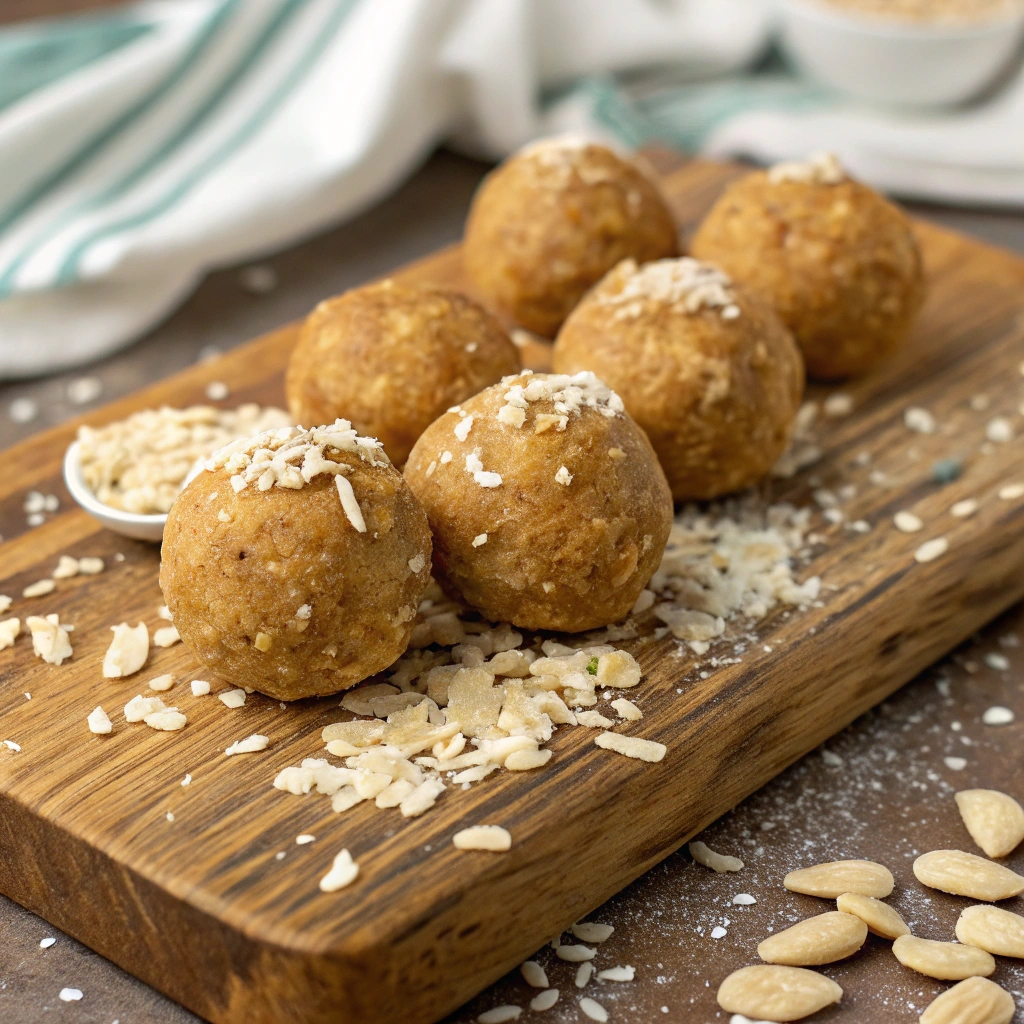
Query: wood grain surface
[{"x": 201, "y": 908}]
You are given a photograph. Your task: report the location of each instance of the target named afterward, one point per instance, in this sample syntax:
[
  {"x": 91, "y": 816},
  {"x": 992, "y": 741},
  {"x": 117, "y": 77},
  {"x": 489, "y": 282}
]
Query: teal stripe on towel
[
  {"x": 37, "y": 55},
  {"x": 231, "y": 145},
  {"x": 208, "y": 32}
]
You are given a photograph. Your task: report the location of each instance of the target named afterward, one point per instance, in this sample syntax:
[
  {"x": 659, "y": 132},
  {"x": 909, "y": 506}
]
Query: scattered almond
[
  {"x": 831, "y": 880},
  {"x": 964, "y": 874},
  {"x": 947, "y": 961},
  {"x": 768, "y": 991},
  {"x": 994, "y": 820},
  {"x": 167, "y": 636},
  {"x": 718, "y": 862},
  {"x": 993, "y": 929},
  {"x": 880, "y": 918},
  {"x": 631, "y": 746},
  {"x": 818, "y": 940},
  {"x": 974, "y": 1001},
  {"x": 127, "y": 652}
]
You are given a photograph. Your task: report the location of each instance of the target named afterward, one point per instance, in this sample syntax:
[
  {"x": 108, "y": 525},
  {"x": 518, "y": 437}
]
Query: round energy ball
[
  {"x": 295, "y": 564},
  {"x": 839, "y": 263},
  {"x": 552, "y": 220},
  {"x": 548, "y": 507},
  {"x": 705, "y": 367},
  {"x": 391, "y": 358}
]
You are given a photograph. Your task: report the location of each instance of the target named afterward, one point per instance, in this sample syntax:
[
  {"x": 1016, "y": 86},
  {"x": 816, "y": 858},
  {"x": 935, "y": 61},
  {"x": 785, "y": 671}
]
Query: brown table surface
[{"x": 887, "y": 795}]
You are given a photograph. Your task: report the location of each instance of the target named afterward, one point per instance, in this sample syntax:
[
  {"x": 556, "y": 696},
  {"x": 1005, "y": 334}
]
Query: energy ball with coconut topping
[
  {"x": 391, "y": 358},
  {"x": 839, "y": 263},
  {"x": 552, "y": 220},
  {"x": 295, "y": 564},
  {"x": 705, "y": 367},
  {"x": 547, "y": 504}
]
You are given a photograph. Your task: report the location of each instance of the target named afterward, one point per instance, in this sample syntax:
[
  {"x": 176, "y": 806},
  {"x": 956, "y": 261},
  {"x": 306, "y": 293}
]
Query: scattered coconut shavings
[
  {"x": 907, "y": 522},
  {"x": 931, "y": 549},
  {"x": 1011, "y": 492},
  {"x": 9, "y": 631},
  {"x": 479, "y": 540},
  {"x": 91, "y": 566},
  {"x": 139, "y": 464},
  {"x": 15, "y": 748},
  {"x": 631, "y": 746},
  {"x": 200, "y": 687},
  {"x": 684, "y": 285},
  {"x": 718, "y": 862},
  {"x": 569, "y": 395},
  {"x": 99, "y": 723},
  {"x": 127, "y": 652},
  {"x": 138, "y": 707},
  {"x": 997, "y": 715},
  {"x": 165, "y": 720},
  {"x": 166, "y": 636},
  {"x": 999, "y": 430},
  {"x": 5, "y": 603},
  {"x": 803, "y": 450},
  {"x": 616, "y": 974},
  {"x": 627, "y": 710},
  {"x": 50, "y": 639},
  {"x": 344, "y": 871},
  {"x": 921, "y": 421},
  {"x": 563, "y": 476},
  {"x": 592, "y": 931},
  {"x": 463, "y": 427},
  {"x": 232, "y": 698},
  {"x": 483, "y": 837},
  {"x": 965, "y": 508},
  {"x": 350, "y": 504},
  {"x": 66, "y": 568},
  {"x": 837, "y": 405},
  {"x": 290, "y": 457},
  {"x": 39, "y": 589},
  {"x": 819, "y": 169},
  {"x": 162, "y": 683},
  {"x": 250, "y": 745}
]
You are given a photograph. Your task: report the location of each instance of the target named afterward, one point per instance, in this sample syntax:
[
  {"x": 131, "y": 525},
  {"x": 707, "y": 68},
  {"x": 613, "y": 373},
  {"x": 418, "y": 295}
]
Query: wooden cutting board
[{"x": 201, "y": 908}]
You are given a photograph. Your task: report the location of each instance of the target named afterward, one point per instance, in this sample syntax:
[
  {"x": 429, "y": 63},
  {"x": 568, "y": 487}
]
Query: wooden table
[{"x": 818, "y": 809}]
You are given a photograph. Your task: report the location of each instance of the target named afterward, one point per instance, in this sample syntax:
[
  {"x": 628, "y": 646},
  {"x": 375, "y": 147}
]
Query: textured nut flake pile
[{"x": 139, "y": 464}]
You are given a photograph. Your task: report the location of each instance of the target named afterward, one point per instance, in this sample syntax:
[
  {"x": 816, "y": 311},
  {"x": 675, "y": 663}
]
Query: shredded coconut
[
  {"x": 50, "y": 640},
  {"x": 684, "y": 285},
  {"x": 99, "y": 723},
  {"x": 818, "y": 169},
  {"x": 344, "y": 871},
  {"x": 250, "y": 745},
  {"x": 127, "y": 652}
]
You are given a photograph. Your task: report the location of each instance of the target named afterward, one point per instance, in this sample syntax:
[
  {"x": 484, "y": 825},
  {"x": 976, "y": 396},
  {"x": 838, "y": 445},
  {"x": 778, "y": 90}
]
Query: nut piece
[
  {"x": 947, "y": 961},
  {"x": 483, "y": 837},
  {"x": 992, "y": 929},
  {"x": 974, "y": 1001},
  {"x": 830, "y": 881},
  {"x": 880, "y": 918},
  {"x": 127, "y": 652},
  {"x": 964, "y": 874},
  {"x": 818, "y": 940},
  {"x": 777, "y": 993},
  {"x": 994, "y": 820},
  {"x": 720, "y": 862}
]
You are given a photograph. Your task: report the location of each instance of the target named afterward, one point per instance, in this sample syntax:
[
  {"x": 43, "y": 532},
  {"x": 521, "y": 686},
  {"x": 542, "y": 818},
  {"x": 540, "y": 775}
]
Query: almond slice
[
  {"x": 947, "y": 961},
  {"x": 880, "y": 918},
  {"x": 768, "y": 991},
  {"x": 831, "y": 880},
  {"x": 974, "y": 1001},
  {"x": 818, "y": 940},
  {"x": 964, "y": 874},
  {"x": 994, "y": 820},
  {"x": 992, "y": 929}
]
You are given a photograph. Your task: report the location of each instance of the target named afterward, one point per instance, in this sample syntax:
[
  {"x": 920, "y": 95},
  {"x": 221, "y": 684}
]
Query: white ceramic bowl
[
  {"x": 893, "y": 62},
  {"x": 128, "y": 524}
]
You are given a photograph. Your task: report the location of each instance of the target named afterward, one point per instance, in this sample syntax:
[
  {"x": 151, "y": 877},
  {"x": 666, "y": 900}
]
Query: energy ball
[
  {"x": 705, "y": 367},
  {"x": 838, "y": 262},
  {"x": 391, "y": 358},
  {"x": 547, "y": 504},
  {"x": 296, "y": 562},
  {"x": 552, "y": 220}
]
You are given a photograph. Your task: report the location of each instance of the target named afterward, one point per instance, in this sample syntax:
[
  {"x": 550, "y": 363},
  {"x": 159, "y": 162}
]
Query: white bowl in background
[
  {"x": 128, "y": 524},
  {"x": 894, "y": 62}
]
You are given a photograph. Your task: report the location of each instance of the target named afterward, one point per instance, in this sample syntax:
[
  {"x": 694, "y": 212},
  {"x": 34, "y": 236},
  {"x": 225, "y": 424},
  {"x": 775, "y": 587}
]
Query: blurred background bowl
[{"x": 901, "y": 63}]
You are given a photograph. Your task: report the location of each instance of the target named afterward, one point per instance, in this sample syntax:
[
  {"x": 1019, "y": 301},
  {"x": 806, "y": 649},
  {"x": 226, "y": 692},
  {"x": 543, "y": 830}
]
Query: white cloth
[{"x": 225, "y": 129}]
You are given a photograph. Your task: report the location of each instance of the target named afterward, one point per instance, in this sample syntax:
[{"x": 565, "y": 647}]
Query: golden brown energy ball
[
  {"x": 548, "y": 507},
  {"x": 552, "y": 220},
  {"x": 706, "y": 368},
  {"x": 296, "y": 562},
  {"x": 391, "y": 358},
  {"x": 838, "y": 262}
]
